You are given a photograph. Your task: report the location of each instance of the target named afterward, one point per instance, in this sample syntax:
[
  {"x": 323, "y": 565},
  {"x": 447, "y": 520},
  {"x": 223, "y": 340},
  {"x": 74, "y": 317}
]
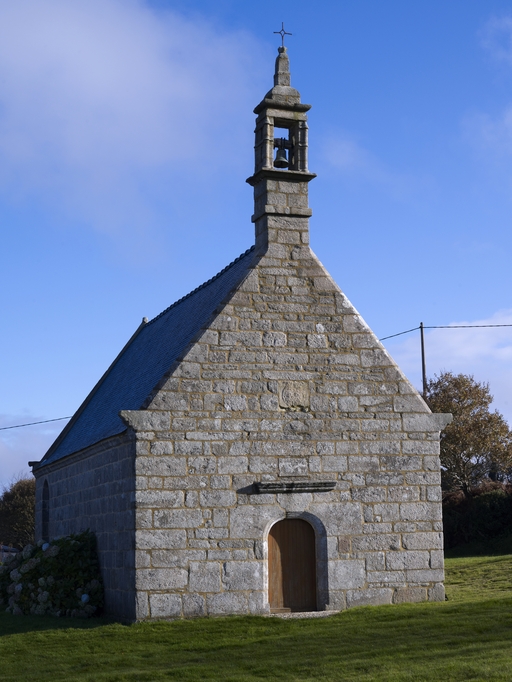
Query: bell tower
[{"x": 281, "y": 175}]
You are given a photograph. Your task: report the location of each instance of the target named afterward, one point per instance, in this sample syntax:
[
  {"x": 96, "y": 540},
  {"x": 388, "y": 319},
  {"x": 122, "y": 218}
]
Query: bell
[{"x": 281, "y": 161}]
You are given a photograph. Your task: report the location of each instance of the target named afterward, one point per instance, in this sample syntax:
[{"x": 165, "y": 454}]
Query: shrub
[
  {"x": 60, "y": 578},
  {"x": 17, "y": 504},
  {"x": 485, "y": 514}
]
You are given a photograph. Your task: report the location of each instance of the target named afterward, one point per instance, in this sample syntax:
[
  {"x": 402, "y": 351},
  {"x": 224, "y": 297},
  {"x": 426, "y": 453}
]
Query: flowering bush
[{"x": 60, "y": 578}]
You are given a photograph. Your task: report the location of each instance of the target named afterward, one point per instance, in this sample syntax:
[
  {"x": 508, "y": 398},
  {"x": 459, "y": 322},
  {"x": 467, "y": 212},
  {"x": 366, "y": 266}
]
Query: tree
[
  {"x": 477, "y": 445},
  {"x": 17, "y": 511}
]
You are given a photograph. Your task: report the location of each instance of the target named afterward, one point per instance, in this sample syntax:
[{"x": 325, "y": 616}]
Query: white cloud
[
  {"x": 355, "y": 162},
  {"x": 21, "y": 445},
  {"x": 492, "y": 135},
  {"x": 496, "y": 38},
  {"x": 486, "y": 353},
  {"x": 102, "y": 99}
]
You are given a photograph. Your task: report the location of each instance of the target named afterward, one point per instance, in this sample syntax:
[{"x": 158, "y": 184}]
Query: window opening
[{"x": 46, "y": 512}]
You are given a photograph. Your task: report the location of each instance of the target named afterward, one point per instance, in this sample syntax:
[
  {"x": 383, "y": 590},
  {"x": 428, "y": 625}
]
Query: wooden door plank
[
  {"x": 275, "y": 572},
  {"x": 292, "y": 566}
]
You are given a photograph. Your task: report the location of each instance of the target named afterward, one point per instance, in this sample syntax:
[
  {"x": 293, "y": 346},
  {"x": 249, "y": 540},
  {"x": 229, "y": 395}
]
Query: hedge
[
  {"x": 483, "y": 515},
  {"x": 60, "y": 578}
]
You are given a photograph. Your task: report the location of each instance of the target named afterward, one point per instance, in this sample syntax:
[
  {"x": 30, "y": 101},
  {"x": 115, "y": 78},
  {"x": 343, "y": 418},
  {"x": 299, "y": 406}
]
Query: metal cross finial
[{"x": 283, "y": 33}]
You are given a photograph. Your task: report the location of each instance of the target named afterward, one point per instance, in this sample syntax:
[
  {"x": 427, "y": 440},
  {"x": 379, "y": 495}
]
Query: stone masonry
[
  {"x": 285, "y": 405},
  {"x": 95, "y": 490}
]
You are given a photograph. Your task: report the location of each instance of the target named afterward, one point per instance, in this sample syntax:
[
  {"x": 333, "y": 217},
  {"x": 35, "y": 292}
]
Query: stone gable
[{"x": 287, "y": 384}]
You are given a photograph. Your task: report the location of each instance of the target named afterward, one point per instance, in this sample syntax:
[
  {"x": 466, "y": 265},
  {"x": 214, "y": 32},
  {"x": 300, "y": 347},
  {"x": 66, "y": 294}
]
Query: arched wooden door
[{"x": 292, "y": 566}]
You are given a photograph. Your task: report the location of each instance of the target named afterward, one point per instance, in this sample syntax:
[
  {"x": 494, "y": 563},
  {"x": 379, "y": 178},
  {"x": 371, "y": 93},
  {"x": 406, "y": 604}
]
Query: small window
[{"x": 45, "y": 512}]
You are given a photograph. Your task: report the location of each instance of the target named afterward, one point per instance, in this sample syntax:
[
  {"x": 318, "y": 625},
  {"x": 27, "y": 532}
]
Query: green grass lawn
[{"x": 469, "y": 637}]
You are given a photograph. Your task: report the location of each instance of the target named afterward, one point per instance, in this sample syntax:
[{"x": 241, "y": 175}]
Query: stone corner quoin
[{"x": 284, "y": 385}]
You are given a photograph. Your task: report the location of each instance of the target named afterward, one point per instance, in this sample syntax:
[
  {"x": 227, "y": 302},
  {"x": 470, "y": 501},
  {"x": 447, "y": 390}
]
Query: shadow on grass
[
  {"x": 14, "y": 625},
  {"x": 387, "y": 643}
]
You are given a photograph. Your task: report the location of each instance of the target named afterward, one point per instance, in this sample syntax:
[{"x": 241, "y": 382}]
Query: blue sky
[{"x": 126, "y": 135}]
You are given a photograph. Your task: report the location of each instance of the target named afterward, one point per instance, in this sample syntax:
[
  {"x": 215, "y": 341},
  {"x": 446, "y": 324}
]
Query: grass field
[{"x": 469, "y": 637}]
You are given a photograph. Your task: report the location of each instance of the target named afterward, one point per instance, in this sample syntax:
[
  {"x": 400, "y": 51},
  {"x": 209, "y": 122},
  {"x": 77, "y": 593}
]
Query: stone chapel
[{"x": 254, "y": 449}]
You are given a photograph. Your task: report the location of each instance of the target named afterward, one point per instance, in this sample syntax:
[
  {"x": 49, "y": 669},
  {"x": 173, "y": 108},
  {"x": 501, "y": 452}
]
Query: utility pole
[{"x": 423, "y": 363}]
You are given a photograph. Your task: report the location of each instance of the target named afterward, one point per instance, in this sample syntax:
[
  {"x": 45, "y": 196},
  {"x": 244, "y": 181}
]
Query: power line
[
  {"x": 45, "y": 421},
  {"x": 445, "y": 326},
  {"x": 467, "y": 326},
  {"x": 422, "y": 327},
  {"x": 391, "y": 336},
  {"x": 399, "y": 334}
]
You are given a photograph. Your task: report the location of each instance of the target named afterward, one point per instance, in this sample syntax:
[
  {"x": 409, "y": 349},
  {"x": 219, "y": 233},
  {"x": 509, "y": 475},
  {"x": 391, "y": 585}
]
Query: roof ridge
[
  {"x": 201, "y": 286},
  {"x": 144, "y": 360},
  {"x": 81, "y": 408}
]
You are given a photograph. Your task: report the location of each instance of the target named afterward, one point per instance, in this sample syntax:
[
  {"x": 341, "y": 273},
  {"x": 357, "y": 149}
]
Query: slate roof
[{"x": 144, "y": 361}]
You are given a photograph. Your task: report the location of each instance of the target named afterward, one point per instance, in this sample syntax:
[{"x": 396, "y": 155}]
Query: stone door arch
[{"x": 292, "y": 566}]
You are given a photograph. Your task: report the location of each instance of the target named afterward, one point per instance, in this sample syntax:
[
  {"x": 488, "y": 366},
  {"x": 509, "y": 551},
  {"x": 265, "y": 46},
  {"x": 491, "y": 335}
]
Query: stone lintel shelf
[{"x": 293, "y": 486}]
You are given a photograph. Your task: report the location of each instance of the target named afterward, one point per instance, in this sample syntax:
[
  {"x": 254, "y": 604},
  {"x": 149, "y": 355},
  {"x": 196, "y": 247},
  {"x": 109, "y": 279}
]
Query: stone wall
[
  {"x": 287, "y": 384},
  {"x": 94, "y": 489}
]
